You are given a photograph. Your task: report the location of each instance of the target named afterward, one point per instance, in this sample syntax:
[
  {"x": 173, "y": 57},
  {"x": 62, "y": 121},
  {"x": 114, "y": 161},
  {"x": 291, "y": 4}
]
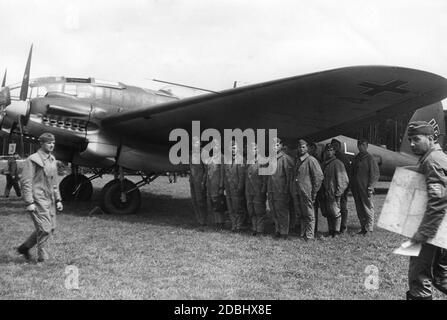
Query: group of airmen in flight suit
[{"x": 294, "y": 192}]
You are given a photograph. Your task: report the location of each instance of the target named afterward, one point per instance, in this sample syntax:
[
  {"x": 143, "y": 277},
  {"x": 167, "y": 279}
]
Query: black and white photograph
[{"x": 223, "y": 155}]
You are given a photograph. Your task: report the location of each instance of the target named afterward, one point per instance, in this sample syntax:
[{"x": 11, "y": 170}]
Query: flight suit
[
  {"x": 215, "y": 188},
  {"x": 334, "y": 185},
  {"x": 365, "y": 174},
  {"x": 307, "y": 179},
  {"x": 40, "y": 186},
  {"x": 319, "y": 198},
  {"x": 278, "y": 191},
  {"x": 256, "y": 196},
  {"x": 197, "y": 182},
  {"x": 234, "y": 177},
  {"x": 344, "y": 197},
  {"x": 430, "y": 267},
  {"x": 12, "y": 178}
]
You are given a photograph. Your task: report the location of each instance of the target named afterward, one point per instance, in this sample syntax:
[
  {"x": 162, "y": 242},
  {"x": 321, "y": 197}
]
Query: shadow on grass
[
  {"x": 12, "y": 205},
  {"x": 156, "y": 209},
  {"x": 8, "y": 259}
]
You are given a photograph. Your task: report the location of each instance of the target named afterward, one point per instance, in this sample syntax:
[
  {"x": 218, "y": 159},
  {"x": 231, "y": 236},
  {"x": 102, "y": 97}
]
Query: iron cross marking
[{"x": 391, "y": 86}]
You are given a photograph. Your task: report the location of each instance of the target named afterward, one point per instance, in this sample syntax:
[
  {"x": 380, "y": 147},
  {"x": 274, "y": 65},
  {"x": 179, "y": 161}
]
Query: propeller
[
  {"x": 17, "y": 111},
  {"x": 4, "y": 79}
]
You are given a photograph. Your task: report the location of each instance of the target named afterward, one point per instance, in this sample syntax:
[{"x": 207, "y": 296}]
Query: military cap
[
  {"x": 46, "y": 137},
  {"x": 302, "y": 141},
  {"x": 362, "y": 141},
  {"x": 335, "y": 141},
  {"x": 420, "y": 127}
]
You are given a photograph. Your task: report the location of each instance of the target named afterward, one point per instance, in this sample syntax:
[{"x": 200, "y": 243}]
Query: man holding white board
[{"x": 429, "y": 268}]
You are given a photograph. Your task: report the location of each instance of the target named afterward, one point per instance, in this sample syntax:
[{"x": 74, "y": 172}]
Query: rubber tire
[
  {"x": 67, "y": 186},
  {"x": 111, "y": 203}
]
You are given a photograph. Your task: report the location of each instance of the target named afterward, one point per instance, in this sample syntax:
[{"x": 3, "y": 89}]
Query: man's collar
[
  {"x": 304, "y": 157},
  {"x": 329, "y": 160},
  {"x": 43, "y": 155},
  {"x": 435, "y": 147}
]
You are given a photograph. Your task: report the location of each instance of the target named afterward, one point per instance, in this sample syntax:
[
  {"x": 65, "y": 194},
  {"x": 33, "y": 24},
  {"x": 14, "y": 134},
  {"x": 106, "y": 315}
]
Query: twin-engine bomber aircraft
[{"x": 113, "y": 126}]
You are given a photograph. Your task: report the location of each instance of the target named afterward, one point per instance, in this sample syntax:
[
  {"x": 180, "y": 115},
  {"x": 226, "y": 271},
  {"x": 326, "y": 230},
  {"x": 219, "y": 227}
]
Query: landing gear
[
  {"x": 122, "y": 196},
  {"x": 76, "y": 187}
]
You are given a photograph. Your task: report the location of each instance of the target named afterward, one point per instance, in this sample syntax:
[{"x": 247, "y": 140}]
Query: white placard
[{"x": 405, "y": 206}]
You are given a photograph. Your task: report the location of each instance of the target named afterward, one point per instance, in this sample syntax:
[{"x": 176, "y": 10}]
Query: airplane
[
  {"x": 388, "y": 160},
  {"x": 118, "y": 128}
]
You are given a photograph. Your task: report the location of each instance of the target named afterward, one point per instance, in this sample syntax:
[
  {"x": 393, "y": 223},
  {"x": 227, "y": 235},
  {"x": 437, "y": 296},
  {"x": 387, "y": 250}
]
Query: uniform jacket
[
  {"x": 279, "y": 182},
  {"x": 12, "y": 168},
  {"x": 307, "y": 176},
  {"x": 214, "y": 176},
  {"x": 40, "y": 183},
  {"x": 335, "y": 179},
  {"x": 234, "y": 177},
  {"x": 433, "y": 165},
  {"x": 197, "y": 175},
  {"x": 343, "y": 158},
  {"x": 365, "y": 172},
  {"x": 255, "y": 184}
]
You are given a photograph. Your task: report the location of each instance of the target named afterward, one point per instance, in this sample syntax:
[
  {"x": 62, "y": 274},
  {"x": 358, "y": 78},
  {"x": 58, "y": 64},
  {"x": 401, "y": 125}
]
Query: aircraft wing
[{"x": 314, "y": 106}]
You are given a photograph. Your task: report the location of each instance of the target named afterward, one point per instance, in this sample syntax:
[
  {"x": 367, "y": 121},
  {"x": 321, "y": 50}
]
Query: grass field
[{"x": 159, "y": 254}]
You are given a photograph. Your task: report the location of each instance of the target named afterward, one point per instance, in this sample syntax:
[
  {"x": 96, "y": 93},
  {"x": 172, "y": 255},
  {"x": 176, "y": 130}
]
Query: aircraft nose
[{"x": 18, "y": 109}]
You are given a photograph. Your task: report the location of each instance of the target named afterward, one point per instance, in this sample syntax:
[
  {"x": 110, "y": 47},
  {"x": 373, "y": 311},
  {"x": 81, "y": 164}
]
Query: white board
[{"x": 405, "y": 206}]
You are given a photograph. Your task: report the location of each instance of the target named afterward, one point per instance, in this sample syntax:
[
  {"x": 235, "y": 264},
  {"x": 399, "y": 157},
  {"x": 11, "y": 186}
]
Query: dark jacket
[
  {"x": 365, "y": 172},
  {"x": 12, "y": 168}
]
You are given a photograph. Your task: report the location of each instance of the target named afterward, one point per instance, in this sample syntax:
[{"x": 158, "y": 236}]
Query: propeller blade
[
  {"x": 4, "y": 79},
  {"x": 25, "y": 82},
  {"x": 22, "y": 148}
]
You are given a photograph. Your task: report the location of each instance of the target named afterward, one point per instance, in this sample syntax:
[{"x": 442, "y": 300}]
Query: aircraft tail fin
[{"x": 433, "y": 114}]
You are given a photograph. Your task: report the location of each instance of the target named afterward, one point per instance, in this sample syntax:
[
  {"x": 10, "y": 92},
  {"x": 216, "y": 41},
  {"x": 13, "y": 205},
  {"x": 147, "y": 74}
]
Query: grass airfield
[{"x": 160, "y": 254}]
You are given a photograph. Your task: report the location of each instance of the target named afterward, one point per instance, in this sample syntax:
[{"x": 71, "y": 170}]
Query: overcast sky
[{"x": 210, "y": 44}]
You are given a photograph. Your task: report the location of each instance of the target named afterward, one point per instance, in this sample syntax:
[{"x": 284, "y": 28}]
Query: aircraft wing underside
[{"x": 314, "y": 106}]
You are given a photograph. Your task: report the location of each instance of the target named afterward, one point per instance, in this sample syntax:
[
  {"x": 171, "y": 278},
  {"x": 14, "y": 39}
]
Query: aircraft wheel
[
  {"x": 68, "y": 185},
  {"x": 103, "y": 191},
  {"x": 112, "y": 202}
]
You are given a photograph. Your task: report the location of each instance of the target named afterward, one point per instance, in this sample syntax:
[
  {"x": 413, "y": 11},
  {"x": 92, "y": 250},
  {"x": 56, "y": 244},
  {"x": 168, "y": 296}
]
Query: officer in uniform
[
  {"x": 307, "y": 179},
  {"x": 41, "y": 195},
  {"x": 215, "y": 186},
  {"x": 278, "y": 191},
  {"x": 197, "y": 182},
  {"x": 234, "y": 177},
  {"x": 12, "y": 176},
  {"x": 430, "y": 267},
  {"x": 365, "y": 174},
  {"x": 255, "y": 193},
  {"x": 334, "y": 184},
  {"x": 339, "y": 154}
]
